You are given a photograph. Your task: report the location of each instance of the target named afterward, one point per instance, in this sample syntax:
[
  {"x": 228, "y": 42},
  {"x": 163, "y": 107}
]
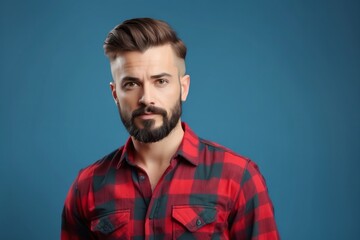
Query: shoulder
[
  {"x": 203, "y": 151},
  {"x": 98, "y": 168},
  {"x": 232, "y": 168},
  {"x": 223, "y": 154},
  {"x": 235, "y": 167},
  {"x": 226, "y": 162}
]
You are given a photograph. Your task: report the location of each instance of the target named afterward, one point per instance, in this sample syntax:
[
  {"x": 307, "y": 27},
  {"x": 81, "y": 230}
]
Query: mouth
[
  {"x": 148, "y": 113},
  {"x": 146, "y": 116}
]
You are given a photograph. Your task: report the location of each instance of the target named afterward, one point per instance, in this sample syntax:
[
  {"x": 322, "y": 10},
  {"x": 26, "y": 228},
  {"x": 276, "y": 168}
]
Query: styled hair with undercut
[{"x": 139, "y": 34}]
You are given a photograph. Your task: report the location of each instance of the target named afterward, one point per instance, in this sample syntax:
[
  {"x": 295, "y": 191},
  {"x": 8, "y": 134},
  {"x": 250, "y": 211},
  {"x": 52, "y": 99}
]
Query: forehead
[{"x": 154, "y": 59}]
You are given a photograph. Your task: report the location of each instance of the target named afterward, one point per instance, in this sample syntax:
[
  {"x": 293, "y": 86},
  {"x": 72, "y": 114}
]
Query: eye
[
  {"x": 162, "y": 82},
  {"x": 130, "y": 85}
]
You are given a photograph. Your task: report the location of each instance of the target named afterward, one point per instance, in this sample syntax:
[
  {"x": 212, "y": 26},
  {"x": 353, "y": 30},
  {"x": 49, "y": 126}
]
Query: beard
[{"x": 150, "y": 134}]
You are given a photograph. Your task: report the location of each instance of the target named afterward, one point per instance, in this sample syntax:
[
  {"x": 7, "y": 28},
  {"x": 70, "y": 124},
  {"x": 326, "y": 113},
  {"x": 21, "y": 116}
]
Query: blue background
[{"x": 277, "y": 81}]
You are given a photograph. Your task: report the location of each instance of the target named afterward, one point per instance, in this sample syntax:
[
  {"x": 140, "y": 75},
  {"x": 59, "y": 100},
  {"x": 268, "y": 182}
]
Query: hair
[{"x": 139, "y": 34}]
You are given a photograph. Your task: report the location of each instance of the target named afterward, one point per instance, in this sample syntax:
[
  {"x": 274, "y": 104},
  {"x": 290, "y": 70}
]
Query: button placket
[{"x": 144, "y": 184}]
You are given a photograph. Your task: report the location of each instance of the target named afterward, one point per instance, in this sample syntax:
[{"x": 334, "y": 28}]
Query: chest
[{"x": 186, "y": 200}]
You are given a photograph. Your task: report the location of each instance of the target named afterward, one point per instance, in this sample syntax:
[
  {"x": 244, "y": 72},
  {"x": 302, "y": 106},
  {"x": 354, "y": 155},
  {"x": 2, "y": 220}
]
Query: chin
[{"x": 149, "y": 124}]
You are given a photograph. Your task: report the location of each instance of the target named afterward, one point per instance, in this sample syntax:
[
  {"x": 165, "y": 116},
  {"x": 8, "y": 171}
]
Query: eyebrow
[
  {"x": 161, "y": 75},
  {"x": 129, "y": 78}
]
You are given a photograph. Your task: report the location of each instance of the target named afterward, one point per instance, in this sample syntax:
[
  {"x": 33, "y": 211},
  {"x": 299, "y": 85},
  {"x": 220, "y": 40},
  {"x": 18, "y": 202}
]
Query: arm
[
  {"x": 73, "y": 225},
  {"x": 253, "y": 214}
]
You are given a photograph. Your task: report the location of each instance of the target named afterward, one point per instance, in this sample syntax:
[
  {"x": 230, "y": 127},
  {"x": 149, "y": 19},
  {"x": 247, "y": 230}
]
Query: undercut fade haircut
[{"x": 139, "y": 34}]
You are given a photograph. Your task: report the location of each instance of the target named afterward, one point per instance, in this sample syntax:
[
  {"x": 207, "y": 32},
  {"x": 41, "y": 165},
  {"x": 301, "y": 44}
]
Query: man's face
[{"x": 148, "y": 90}]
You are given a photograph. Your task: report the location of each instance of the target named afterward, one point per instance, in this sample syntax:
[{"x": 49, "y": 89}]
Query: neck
[{"x": 159, "y": 153}]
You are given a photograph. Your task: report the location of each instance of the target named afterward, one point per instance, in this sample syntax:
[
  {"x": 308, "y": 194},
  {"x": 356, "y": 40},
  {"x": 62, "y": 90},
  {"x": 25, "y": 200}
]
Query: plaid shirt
[{"x": 207, "y": 192}]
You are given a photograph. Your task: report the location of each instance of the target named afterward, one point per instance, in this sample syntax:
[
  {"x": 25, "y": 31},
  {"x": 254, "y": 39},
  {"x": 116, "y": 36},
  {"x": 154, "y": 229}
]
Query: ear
[
  {"x": 185, "y": 86},
  {"x": 113, "y": 92}
]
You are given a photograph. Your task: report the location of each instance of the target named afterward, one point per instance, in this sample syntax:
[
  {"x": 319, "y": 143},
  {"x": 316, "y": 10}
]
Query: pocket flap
[
  {"x": 110, "y": 222},
  {"x": 194, "y": 217}
]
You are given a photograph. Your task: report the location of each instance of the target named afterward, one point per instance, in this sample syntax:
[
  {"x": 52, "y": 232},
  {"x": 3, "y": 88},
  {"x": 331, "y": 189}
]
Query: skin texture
[{"x": 156, "y": 78}]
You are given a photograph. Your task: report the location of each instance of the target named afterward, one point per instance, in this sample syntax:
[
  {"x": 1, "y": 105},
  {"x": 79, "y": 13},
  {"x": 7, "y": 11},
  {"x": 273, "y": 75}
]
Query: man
[{"x": 165, "y": 182}]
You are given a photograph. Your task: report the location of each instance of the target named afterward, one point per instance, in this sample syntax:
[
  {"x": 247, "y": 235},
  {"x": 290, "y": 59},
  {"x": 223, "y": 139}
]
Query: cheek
[
  {"x": 125, "y": 108},
  {"x": 171, "y": 96},
  {"x": 128, "y": 101}
]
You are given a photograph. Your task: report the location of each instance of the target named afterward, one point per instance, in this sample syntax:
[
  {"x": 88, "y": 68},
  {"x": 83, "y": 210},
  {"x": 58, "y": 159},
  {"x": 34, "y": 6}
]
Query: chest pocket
[
  {"x": 193, "y": 221},
  {"x": 112, "y": 226}
]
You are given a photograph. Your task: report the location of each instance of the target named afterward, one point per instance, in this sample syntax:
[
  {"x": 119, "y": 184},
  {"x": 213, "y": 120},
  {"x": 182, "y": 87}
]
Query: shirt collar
[
  {"x": 189, "y": 146},
  {"x": 188, "y": 149}
]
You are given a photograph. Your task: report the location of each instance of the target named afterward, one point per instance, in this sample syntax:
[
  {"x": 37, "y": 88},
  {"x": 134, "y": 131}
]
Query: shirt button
[
  {"x": 198, "y": 222},
  {"x": 142, "y": 177}
]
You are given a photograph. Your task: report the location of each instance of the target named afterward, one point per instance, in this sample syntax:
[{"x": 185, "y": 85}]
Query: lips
[
  {"x": 148, "y": 112},
  {"x": 147, "y": 116}
]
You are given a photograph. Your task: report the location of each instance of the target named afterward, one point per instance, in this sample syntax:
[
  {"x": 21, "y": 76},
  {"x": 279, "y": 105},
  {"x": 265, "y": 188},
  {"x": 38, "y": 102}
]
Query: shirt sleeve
[
  {"x": 253, "y": 216},
  {"x": 73, "y": 224}
]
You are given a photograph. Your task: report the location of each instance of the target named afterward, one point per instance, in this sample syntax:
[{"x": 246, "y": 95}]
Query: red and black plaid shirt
[{"x": 207, "y": 192}]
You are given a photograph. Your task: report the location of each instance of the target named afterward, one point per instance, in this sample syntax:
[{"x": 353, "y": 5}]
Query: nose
[{"x": 146, "y": 96}]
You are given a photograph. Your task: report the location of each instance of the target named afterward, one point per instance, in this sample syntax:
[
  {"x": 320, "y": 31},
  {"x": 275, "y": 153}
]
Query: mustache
[{"x": 148, "y": 109}]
